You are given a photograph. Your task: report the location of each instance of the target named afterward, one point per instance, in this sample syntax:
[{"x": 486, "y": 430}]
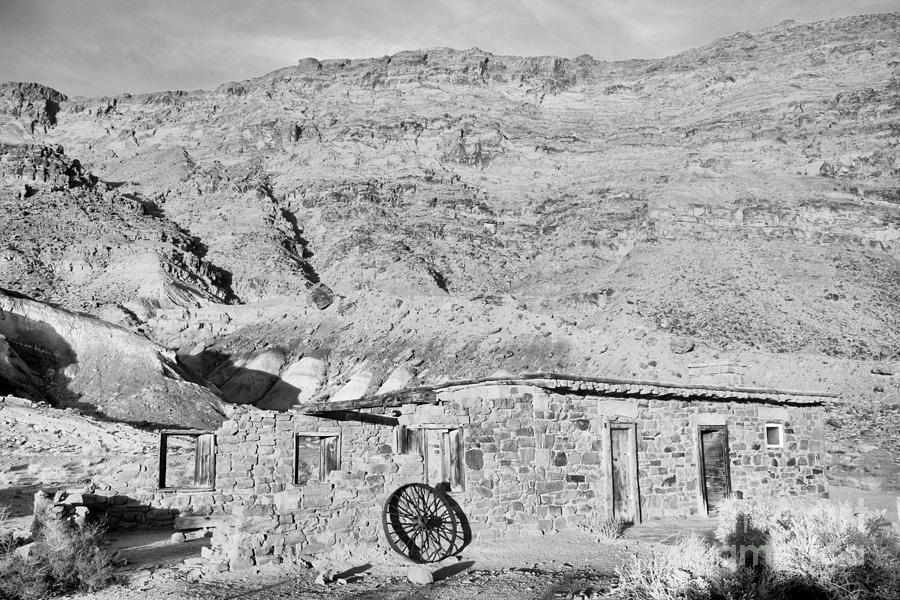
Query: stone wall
[
  {"x": 124, "y": 491},
  {"x": 271, "y": 517},
  {"x": 533, "y": 461}
]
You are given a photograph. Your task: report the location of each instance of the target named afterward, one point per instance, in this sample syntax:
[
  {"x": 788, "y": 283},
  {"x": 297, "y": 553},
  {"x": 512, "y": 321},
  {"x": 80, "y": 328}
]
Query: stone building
[{"x": 539, "y": 452}]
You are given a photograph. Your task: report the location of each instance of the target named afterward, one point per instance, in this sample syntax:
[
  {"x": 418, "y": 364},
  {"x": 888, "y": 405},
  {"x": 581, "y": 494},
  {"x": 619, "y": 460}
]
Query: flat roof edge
[{"x": 428, "y": 393}]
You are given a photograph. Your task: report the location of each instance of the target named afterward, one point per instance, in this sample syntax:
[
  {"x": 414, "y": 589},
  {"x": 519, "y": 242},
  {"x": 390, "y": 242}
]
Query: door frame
[
  {"x": 631, "y": 427},
  {"x": 701, "y": 465}
]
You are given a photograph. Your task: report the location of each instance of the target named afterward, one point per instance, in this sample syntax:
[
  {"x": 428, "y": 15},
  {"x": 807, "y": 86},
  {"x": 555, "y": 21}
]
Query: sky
[{"x": 105, "y": 47}]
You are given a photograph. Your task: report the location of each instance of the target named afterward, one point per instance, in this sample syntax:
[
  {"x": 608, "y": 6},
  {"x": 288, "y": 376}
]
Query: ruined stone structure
[
  {"x": 532, "y": 453},
  {"x": 539, "y": 453}
]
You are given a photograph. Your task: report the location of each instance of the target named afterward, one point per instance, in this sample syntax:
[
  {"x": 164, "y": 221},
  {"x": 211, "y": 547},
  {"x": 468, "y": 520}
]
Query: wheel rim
[{"x": 420, "y": 523}]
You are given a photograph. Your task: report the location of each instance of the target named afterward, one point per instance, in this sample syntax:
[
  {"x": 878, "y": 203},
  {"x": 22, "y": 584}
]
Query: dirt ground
[
  {"x": 566, "y": 565},
  {"x": 572, "y": 565}
]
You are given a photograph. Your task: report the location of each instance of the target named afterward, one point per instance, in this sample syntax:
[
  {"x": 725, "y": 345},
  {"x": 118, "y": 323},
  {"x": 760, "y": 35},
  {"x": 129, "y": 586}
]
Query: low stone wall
[{"x": 124, "y": 493}]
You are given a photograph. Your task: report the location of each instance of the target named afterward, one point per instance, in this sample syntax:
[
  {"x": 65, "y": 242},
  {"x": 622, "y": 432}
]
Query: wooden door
[
  {"x": 623, "y": 456},
  {"x": 715, "y": 479}
]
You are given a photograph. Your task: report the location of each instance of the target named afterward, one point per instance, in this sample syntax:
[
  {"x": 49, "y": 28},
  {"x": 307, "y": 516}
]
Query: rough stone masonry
[{"x": 534, "y": 455}]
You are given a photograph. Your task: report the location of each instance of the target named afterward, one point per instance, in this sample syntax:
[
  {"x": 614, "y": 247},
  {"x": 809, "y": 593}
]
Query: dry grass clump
[
  {"x": 688, "y": 569},
  {"x": 63, "y": 559},
  {"x": 611, "y": 528},
  {"x": 821, "y": 551}
]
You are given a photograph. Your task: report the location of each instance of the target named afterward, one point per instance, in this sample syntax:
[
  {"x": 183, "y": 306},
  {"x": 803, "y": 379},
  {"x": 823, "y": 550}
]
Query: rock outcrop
[
  {"x": 34, "y": 106},
  {"x": 254, "y": 377},
  {"x": 79, "y": 361},
  {"x": 298, "y": 384}
]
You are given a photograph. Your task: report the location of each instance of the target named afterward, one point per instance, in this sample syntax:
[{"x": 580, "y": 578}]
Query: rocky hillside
[
  {"x": 443, "y": 213},
  {"x": 78, "y": 361}
]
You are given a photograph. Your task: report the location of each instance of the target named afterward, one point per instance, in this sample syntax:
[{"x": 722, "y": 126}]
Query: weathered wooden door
[
  {"x": 623, "y": 455},
  {"x": 715, "y": 478},
  {"x": 443, "y": 459}
]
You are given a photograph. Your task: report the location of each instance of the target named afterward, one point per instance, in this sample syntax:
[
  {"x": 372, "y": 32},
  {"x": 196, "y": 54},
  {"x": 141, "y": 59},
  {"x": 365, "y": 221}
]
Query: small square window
[
  {"x": 774, "y": 435},
  {"x": 315, "y": 456},
  {"x": 187, "y": 460}
]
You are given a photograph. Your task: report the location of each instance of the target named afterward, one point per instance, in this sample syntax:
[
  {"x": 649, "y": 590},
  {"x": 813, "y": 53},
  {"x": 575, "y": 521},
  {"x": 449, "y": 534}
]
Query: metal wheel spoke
[
  {"x": 420, "y": 523},
  {"x": 406, "y": 513}
]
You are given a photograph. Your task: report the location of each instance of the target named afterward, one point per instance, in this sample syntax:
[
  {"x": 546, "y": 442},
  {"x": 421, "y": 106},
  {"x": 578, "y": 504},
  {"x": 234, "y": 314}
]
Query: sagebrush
[
  {"x": 64, "y": 558},
  {"x": 773, "y": 551},
  {"x": 687, "y": 569}
]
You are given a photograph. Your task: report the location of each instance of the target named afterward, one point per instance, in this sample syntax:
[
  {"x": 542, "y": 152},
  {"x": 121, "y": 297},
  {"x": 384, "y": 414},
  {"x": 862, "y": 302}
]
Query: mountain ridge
[{"x": 452, "y": 213}]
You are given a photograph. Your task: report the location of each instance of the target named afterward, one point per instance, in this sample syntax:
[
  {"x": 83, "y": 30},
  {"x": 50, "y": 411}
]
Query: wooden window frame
[
  {"x": 780, "y": 428},
  {"x": 164, "y": 436},
  {"x": 409, "y": 440},
  {"x": 324, "y": 470},
  {"x": 455, "y": 451}
]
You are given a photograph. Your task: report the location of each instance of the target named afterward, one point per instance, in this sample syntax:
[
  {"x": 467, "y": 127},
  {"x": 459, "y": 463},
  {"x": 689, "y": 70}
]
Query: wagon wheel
[{"x": 420, "y": 523}]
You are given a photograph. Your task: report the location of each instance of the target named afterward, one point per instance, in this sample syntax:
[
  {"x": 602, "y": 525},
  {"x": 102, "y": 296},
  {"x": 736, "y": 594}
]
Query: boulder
[
  {"x": 255, "y": 378},
  {"x": 229, "y": 368},
  {"x": 297, "y": 384},
  {"x": 682, "y": 345},
  {"x": 884, "y": 369},
  {"x": 396, "y": 380},
  {"x": 24, "y": 552},
  {"x": 419, "y": 575},
  {"x": 321, "y": 295},
  {"x": 355, "y": 388}
]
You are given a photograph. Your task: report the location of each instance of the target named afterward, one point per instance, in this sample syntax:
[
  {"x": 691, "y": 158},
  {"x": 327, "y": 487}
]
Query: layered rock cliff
[{"x": 449, "y": 213}]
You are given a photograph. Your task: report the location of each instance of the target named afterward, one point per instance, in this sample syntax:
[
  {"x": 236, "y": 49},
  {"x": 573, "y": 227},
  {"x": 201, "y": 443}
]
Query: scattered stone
[
  {"x": 321, "y": 295},
  {"x": 419, "y": 575},
  {"x": 324, "y": 578},
  {"x": 24, "y": 551},
  {"x": 178, "y": 538},
  {"x": 884, "y": 369},
  {"x": 682, "y": 345}
]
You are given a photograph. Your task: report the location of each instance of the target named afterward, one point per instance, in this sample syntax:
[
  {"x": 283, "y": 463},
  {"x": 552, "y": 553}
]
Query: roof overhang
[{"x": 572, "y": 384}]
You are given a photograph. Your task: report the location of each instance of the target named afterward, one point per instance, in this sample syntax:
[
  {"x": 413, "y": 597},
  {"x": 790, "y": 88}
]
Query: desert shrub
[
  {"x": 64, "y": 558},
  {"x": 832, "y": 549},
  {"x": 820, "y": 551},
  {"x": 686, "y": 570},
  {"x": 611, "y": 528},
  {"x": 5, "y": 535},
  {"x": 824, "y": 550}
]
